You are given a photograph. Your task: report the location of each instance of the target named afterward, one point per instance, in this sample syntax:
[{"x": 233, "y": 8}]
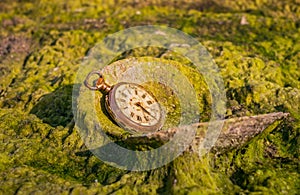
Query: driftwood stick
[{"x": 235, "y": 132}]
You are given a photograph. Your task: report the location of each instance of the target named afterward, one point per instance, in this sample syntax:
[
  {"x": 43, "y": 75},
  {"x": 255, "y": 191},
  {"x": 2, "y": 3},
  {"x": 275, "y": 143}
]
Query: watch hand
[{"x": 139, "y": 105}]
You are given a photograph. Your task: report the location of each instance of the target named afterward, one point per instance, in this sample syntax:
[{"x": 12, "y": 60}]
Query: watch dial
[
  {"x": 137, "y": 104},
  {"x": 134, "y": 109}
]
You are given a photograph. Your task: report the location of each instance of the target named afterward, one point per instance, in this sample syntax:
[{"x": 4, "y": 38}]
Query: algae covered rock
[{"x": 254, "y": 43}]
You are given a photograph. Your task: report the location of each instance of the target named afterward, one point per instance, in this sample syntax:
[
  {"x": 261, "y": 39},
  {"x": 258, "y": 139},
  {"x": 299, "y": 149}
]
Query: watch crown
[
  {"x": 99, "y": 84},
  {"x": 102, "y": 86}
]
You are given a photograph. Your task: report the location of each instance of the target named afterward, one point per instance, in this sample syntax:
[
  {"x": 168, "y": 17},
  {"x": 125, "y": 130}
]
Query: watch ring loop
[{"x": 86, "y": 81}]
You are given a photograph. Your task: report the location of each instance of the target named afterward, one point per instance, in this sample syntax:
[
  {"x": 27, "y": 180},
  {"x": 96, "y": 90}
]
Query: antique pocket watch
[{"x": 130, "y": 105}]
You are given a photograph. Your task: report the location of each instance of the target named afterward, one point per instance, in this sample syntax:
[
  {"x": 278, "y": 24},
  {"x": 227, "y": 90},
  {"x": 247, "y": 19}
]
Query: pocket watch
[{"x": 130, "y": 105}]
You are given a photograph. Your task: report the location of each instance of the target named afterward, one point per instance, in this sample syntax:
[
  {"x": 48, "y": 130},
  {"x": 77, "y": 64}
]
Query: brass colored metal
[{"x": 100, "y": 84}]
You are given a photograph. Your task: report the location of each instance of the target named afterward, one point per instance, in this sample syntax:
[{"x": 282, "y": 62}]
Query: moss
[
  {"x": 163, "y": 93},
  {"x": 40, "y": 149}
]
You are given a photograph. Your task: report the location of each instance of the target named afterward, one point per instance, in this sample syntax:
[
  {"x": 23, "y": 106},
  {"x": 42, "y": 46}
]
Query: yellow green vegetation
[{"x": 256, "y": 45}]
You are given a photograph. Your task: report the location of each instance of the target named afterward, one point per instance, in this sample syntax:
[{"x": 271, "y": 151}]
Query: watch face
[{"x": 133, "y": 108}]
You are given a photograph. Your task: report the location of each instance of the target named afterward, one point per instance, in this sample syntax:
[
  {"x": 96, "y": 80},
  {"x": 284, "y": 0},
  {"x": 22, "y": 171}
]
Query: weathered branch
[{"x": 235, "y": 132}]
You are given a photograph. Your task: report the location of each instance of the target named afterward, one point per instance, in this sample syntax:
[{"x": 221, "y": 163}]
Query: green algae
[
  {"x": 163, "y": 93},
  {"x": 41, "y": 152}
]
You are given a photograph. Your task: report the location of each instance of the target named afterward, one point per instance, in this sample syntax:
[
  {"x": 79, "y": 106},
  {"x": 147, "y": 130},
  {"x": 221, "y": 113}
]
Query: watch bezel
[{"x": 122, "y": 120}]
